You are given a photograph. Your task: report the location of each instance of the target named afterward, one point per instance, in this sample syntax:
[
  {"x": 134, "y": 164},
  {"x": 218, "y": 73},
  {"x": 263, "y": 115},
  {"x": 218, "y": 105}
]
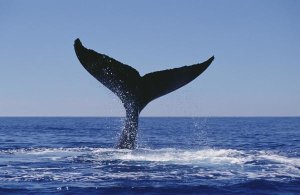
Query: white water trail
[{"x": 103, "y": 163}]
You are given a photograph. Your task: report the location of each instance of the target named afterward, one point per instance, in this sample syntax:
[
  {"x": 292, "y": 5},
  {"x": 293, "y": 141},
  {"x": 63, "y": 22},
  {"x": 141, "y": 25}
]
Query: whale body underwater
[{"x": 135, "y": 91}]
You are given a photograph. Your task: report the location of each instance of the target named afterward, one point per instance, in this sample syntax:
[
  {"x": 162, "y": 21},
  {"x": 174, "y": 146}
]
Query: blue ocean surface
[{"x": 206, "y": 155}]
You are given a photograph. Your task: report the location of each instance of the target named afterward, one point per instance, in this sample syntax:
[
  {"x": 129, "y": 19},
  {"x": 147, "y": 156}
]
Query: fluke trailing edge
[{"x": 135, "y": 91}]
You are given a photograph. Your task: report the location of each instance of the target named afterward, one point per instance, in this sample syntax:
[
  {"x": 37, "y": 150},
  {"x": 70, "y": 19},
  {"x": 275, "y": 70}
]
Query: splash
[{"x": 102, "y": 164}]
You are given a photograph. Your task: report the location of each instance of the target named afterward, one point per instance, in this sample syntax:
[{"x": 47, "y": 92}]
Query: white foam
[
  {"x": 279, "y": 159},
  {"x": 106, "y": 163},
  {"x": 175, "y": 156}
]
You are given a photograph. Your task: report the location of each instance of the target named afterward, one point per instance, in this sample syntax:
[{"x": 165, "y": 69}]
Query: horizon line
[{"x": 91, "y": 116}]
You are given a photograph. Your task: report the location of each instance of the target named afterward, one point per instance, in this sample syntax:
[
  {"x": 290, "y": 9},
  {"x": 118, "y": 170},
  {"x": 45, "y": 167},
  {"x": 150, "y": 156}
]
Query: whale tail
[{"x": 135, "y": 91}]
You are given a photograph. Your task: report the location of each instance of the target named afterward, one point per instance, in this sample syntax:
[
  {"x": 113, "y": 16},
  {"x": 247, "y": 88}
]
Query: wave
[
  {"x": 171, "y": 155},
  {"x": 102, "y": 164},
  {"x": 257, "y": 187}
]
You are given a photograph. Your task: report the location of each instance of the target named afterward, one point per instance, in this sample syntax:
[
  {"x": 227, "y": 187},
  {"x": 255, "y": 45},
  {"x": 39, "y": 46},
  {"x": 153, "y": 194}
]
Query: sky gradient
[{"x": 256, "y": 45}]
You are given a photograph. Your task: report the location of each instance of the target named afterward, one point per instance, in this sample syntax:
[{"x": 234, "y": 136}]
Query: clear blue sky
[{"x": 256, "y": 44}]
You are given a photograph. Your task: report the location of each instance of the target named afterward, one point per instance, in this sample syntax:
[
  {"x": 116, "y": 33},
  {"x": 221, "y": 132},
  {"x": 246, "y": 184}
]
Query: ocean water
[{"x": 174, "y": 156}]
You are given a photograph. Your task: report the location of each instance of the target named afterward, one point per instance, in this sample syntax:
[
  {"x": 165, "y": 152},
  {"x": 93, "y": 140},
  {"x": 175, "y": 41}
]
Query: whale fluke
[{"x": 134, "y": 91}]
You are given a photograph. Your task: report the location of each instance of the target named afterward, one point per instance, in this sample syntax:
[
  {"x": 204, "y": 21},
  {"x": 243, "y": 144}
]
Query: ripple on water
[{"x": 108, "y": 164}]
